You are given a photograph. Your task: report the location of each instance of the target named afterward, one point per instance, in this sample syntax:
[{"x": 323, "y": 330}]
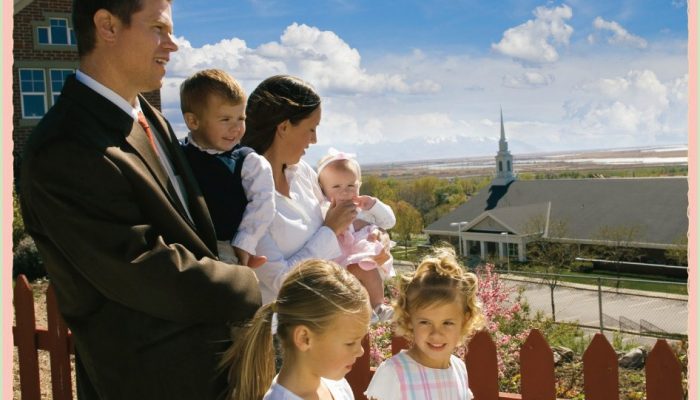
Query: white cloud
[
  {"x": 528, "y": 79},
  {"x": 535, "y": 41},
  {"x": 630, "y": 99},
  {"x": 618, "y": 35},
  {"x": 637, "y": 104},
  {"x": 318, "y": 56}
]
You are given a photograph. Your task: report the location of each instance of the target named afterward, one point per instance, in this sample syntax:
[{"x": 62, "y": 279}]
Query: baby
[{"x": 363, "y": 254}]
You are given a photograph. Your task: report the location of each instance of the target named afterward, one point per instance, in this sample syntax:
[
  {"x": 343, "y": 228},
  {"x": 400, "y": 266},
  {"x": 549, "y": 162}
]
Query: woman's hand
[{"x": 340, "y": 215}]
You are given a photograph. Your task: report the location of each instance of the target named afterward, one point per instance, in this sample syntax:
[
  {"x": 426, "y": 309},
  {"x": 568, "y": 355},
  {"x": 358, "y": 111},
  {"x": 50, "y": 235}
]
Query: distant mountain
[{"x": 418, "y": 149}]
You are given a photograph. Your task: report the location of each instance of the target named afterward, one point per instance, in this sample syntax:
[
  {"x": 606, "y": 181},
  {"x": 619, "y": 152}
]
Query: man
[{"x": 121, "y": 224}]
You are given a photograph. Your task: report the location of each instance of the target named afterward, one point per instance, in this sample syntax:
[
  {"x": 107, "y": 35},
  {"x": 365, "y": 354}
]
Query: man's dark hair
[{"x": 84, "y": 11}]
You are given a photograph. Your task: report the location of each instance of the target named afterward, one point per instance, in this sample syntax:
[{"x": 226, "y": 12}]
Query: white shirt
[
  {"x": 259, "y": 189},
  {"x": 296, "y": 233},
  {"x": 340, "y": 390},
  {"x": 401, "y": 377}
]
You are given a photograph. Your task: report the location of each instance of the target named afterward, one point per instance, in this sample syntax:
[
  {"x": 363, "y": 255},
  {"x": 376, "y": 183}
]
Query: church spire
[
  {"x": 503, "y": 143},
  {"x": 504, "y": 160}
]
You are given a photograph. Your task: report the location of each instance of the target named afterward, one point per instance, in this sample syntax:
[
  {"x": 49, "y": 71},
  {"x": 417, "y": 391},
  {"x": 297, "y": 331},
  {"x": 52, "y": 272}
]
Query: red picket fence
[{"x": 663, "y": 370}]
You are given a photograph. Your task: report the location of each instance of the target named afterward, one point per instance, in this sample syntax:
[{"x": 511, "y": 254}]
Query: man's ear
[
  {"x": 106, "y": 25},
  {"x": 302, "y": 337},
  {"x": 191, "y": 121}
]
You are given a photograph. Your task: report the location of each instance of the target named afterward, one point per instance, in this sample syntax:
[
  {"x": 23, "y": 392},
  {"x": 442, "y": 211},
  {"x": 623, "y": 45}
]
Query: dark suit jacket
[{"x": 137, "y": 283}]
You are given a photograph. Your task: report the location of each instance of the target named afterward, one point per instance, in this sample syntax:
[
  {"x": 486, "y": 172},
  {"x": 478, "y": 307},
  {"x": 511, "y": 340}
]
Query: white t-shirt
[
  {"x": 340, "y": 390},
  {"x": 403, "y": 378}
]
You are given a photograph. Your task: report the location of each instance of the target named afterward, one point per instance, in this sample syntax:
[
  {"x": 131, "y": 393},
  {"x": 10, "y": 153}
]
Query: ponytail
[{"x": 251, "y": 358}]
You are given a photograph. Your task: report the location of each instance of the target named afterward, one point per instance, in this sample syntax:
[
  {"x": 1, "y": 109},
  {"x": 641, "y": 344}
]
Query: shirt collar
[
  {"x": 190, "y": 139},
  {"x": 109, "y": 94}
]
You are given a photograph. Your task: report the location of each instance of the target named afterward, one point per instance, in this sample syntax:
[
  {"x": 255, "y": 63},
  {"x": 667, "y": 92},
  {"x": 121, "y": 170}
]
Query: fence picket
[
  {"x": 600, "y": 374},
  {"x": 399, "y": 343},
  {"x": 482, "y": 366},
  {"x": 25, "y": 339},
  {"x": 360, "y": 374},
  {"x": 537, "y": 368},
  {"x": 663, "y": 373},
  {"x": 59, "y": 347}
]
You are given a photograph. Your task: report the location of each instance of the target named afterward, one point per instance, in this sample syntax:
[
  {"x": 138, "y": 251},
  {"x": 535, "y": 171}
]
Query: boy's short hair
[{"x": 195, "y": 90}]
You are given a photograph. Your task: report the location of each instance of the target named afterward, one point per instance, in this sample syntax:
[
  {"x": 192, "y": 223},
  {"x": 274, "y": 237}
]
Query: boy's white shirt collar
[
  {"x": 108, "y": 94},
  {"x": 190, "y": 139}
]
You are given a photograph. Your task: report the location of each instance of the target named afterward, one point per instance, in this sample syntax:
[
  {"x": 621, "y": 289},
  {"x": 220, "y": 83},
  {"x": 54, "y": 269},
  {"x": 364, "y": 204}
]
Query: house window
[
  {"x": 508, "y": 165},
  {"x": 58, "y": 77},
  {"x": 38, "y": 94},
  {"x": 57, "y": 33},
  {"x": 500, "y": 166},
  {"x": 33, "y": 92}
]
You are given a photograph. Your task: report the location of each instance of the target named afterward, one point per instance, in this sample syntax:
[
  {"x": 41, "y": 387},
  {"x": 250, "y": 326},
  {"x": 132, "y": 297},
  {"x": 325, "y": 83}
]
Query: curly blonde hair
[{"x": 439, "y": 279}]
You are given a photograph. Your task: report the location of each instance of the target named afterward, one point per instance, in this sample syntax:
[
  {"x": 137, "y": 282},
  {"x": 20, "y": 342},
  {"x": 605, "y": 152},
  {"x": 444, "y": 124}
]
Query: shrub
[
  {"x": 26, "y": 260},
  {"x": 18, "y": 232},
  {"x": 581, "y": 266}
]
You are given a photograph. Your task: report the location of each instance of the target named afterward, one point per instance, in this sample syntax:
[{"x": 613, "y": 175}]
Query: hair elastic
[{"x": 274, "y": 322}]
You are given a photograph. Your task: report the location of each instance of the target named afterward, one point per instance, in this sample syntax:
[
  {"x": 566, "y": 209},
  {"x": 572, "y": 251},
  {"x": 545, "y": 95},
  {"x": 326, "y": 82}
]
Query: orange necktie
[{"x": 147, "y": 128}]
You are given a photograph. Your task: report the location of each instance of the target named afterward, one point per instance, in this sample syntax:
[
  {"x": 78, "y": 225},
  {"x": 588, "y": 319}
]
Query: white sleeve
[
  {"x": 323, "y": 244},
  {"x": 384, "y": 384},
  {"x": 259, "y": 187},
  {"x": 380, "y": 214}
]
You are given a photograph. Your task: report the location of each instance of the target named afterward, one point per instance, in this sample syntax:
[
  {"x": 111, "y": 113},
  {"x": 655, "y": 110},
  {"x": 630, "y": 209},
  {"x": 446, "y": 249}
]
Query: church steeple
[
  {"x": 503, "y": 143},
  {"x": 504, "y": 160}
]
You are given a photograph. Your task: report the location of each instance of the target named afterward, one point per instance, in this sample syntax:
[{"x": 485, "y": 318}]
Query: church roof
[{"x": 658, "y": 206}]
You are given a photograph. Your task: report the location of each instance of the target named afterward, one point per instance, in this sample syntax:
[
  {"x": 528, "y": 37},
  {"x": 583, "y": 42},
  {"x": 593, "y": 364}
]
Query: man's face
[{"x": 142, "y": 49}]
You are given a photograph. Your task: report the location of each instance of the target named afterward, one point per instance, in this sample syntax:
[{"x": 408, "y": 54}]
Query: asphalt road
[{"x": 627, "y": 310}]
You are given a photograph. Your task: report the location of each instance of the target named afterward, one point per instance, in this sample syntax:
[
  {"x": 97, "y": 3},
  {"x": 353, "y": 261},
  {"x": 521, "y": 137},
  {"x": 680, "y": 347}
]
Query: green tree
[
  {"x": 548, "y": 251},
  {"x": 679, "y": 252},
  {"x": 617, "y": 244},
  {"x": 384, "y": 189},
  {"x": 408, "y": 221}
]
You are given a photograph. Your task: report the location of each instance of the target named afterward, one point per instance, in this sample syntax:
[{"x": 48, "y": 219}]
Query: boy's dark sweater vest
[{"x": 219, "y": 178}]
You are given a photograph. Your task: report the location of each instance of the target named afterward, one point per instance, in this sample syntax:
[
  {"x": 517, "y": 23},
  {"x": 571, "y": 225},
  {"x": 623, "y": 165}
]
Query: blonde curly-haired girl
[{"x": 437, "y": 309}]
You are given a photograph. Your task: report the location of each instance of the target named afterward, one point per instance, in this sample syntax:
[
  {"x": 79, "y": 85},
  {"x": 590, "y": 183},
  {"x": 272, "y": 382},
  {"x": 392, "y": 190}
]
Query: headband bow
[{"x": 335, "y": 155}]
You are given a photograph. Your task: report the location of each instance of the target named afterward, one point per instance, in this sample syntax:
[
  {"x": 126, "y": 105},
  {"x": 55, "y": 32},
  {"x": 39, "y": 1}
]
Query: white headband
[{"x": 336, "y": 155}]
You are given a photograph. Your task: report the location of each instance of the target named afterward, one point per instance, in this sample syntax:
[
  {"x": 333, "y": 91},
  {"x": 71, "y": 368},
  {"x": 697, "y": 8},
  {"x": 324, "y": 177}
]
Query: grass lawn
[{"x": 627, "y": 281}]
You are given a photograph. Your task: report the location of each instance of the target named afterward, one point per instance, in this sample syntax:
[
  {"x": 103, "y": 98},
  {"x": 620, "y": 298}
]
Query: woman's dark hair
[{"x": 275, "y": 100}]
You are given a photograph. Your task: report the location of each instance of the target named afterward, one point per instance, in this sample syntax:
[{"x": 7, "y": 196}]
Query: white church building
[{"x": 497, "y": 222}]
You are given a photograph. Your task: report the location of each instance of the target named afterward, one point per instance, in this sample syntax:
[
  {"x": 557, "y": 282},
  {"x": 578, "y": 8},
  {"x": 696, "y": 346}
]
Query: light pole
[
  {"x": 459, "y": 234},
  {"x": 505, "y": 235}
]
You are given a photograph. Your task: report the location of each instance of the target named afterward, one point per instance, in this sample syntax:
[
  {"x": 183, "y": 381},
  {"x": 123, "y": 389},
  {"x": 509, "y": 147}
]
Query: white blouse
[
  {"x": 296, "y": 233},
  {"x": 340, "y": 390},
  {"x": 259, "y": 188}
]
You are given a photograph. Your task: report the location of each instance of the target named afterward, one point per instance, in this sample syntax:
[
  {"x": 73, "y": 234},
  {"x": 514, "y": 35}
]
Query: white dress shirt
[{"x": 296, "y": 233}]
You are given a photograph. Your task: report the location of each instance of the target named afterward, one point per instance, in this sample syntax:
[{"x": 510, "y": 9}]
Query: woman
[{"x": 283, "y": 113}]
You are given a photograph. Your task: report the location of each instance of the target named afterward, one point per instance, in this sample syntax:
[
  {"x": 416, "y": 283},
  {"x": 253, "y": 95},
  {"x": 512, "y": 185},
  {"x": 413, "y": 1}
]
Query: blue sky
[{"x": 407, "y": 80}]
